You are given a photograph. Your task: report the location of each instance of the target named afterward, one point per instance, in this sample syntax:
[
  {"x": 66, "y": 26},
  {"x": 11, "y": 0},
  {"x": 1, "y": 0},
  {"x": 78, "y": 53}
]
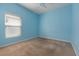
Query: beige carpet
[{"x": 38, "y": 47}]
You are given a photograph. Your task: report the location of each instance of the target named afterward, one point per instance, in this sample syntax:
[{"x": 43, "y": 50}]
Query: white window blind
[{"x": 12, "y": 25}]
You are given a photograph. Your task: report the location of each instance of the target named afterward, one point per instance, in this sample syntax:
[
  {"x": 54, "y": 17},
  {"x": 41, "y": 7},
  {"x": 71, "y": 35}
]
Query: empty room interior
[{"x": 39, "y": 29}]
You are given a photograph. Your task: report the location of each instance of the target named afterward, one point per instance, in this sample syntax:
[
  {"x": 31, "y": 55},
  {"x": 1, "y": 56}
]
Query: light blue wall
[
  {"x": 75, "y": 31},
  {"x": 29, "y": 23},
  {"x": 62, "y": 23},
  {"x": 57, "y": 23}
]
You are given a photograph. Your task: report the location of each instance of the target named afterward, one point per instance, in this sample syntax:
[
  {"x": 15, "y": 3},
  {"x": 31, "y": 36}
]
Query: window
[{"x": 12, "y": 25}]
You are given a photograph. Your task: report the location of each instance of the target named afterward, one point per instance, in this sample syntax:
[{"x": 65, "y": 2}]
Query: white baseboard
[
  {"x": 76, "y": 50},
  {"x": 54, "y": 39},
  {"x": 16, "y": 42},
  {"x": 32, "y": 38}
]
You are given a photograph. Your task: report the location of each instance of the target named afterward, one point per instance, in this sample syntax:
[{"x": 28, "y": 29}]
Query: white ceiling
[{"x": 41, "y": 9}]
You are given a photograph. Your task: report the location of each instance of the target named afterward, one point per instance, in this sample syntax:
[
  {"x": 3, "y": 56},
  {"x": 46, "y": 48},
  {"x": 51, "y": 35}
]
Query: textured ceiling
[{"x": 42, "y": 9}]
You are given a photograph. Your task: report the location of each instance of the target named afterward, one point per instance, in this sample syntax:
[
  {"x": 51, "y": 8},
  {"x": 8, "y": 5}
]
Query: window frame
[{"x": 7, "y": 25}]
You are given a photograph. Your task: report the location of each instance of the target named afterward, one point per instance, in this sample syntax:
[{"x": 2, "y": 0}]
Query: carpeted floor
[{"x": 38, "y": 47}]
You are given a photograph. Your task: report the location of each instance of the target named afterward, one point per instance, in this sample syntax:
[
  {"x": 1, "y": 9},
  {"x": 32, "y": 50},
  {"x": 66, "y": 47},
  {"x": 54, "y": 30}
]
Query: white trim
[
  {"x": 32, "y": 38},
  {"x": 54, "y": 39},
  {"x": 75, "y": 49},
  {"x": 16, "y": 42}
]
